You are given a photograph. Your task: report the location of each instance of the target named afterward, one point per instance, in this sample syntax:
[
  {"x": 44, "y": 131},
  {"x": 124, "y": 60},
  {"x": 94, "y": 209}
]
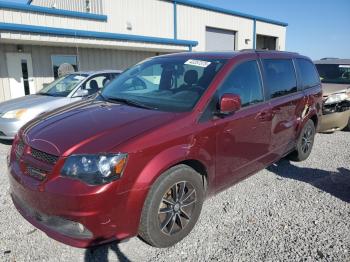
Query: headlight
[
  {"x": 95, "y": 169},
  {"x": 338, "y": 97},
  {"x": 15, "y": 114}
]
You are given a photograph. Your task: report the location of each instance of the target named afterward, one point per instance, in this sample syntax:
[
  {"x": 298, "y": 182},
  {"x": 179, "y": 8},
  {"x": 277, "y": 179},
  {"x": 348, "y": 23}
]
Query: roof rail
[
  {"x": 329, "y": 58},
  {"x": 267, "y": 51}
]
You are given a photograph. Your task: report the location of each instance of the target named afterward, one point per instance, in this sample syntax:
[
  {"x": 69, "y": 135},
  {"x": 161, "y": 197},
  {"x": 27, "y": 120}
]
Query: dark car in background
[
  {"x": 64, "y": 90},
  {"x": 141, "y": 157},
  {"x": 335, "y": 78}
]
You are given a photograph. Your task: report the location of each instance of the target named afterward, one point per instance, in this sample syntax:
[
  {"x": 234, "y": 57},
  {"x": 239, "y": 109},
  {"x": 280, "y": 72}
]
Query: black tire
[
  {"x": 162, "y": 217},
  {"x": 305, "y": 142},
  {"x": 347, "y": 128}
]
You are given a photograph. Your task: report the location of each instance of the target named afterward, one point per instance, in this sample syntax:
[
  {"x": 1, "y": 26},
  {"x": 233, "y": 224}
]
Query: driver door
[{"x": 243, "y": 138}]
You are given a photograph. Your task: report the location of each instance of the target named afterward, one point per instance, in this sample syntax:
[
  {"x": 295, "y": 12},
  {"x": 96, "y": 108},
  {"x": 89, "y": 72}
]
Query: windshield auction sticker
[
  {"x": 199, "y": 63},
  {"x": 344, "y": 66},
  {"x": 78, "y": 77}
]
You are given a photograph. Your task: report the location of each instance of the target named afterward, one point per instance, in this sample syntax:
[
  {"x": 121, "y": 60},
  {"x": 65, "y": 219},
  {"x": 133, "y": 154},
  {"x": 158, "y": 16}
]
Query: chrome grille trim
[
  {"x": 36, "y": 173},
  {"x": 44, "y": 157}
]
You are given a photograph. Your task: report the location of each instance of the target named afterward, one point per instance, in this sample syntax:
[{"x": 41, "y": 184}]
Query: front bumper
[
  {"x": 9, "y": 128},
  {"x": 69, "y": 211},
  {"x": 334, "y": 121}
]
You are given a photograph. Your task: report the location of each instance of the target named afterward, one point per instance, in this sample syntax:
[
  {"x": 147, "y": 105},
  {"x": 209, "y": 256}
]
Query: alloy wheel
[
  {"x": 307, "y": 139},
  {"x": 176, "y": 207}
]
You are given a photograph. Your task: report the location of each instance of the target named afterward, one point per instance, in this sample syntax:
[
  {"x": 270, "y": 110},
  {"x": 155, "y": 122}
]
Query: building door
[
  {"x": 20, "y": 71},
  {"x": 219, "y": 39},
  {"x": 264, "y": 42}
]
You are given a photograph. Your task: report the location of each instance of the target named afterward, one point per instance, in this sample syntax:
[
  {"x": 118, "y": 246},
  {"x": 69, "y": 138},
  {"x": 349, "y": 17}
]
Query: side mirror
[
  {"x": 229, "y": 103},
  {"x": 81, "y": 93}
]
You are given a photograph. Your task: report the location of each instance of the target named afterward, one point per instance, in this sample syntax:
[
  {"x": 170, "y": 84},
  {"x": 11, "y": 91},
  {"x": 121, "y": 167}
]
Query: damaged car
[{"x": 335, "y": 78}]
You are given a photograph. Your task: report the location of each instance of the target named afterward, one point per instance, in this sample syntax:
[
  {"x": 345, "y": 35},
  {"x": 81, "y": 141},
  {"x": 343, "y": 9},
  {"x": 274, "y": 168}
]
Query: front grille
[
  {"x": 36, "y": 173},
  {"x": 19, "y": 150},
  {"x": 39, "y": 169},
  {"x": 44, "y": 157}
]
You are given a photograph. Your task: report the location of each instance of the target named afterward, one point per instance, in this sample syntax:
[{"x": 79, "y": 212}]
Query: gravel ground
[{"x": 287, "y": 212}]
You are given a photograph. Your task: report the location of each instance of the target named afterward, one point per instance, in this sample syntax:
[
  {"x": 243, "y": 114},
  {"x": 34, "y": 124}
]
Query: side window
[
  {"x": 112, "y": 76},
  {"x": 244, "y": 81},
  {"x": 280, "y": 77},
  {"x": 308, "y": 73},
  {"x": 96, "y": 83}
]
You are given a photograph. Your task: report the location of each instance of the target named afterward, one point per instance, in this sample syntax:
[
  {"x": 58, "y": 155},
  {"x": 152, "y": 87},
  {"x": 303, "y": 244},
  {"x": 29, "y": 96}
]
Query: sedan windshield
[
  {"x": 167, "y": 84},
  {"x": 334, "y": 74},
  {"x": 63, "y": 86}
]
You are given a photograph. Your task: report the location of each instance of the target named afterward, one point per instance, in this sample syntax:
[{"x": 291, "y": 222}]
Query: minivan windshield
[
  {"x": 334, "y": 73},
  {"x": 167, "y": 83},
  {"x": 63, "y": 86}
]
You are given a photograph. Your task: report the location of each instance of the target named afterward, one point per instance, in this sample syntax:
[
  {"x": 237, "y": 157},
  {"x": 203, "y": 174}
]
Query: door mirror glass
[
  {"x": 81, "y": 93},
  {"x": 229, "y": 103}
]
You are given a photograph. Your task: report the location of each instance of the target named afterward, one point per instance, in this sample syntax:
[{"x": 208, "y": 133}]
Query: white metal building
[{"x": 37, "y": 37}]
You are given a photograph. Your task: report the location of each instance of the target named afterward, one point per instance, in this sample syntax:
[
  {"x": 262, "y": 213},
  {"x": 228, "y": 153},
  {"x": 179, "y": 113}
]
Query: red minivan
[{"x": 141, "y": 157}]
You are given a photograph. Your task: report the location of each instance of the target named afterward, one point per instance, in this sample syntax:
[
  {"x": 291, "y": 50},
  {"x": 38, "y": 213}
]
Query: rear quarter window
[
  {"x": 280, "y": 77},
  {"x": 308, "y": 73}
]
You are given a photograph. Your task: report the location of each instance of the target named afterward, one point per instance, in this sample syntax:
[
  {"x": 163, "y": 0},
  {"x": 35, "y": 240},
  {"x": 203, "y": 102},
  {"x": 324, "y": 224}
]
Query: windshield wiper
[
  {"x": 100, "y": 94},
  {"x": 128, "y": 102}
]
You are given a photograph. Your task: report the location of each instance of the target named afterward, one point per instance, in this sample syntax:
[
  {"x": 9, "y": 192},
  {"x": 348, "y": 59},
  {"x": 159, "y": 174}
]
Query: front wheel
[
  {"x": 172, "y": 207},
  {"x": 305, "y": 142}
]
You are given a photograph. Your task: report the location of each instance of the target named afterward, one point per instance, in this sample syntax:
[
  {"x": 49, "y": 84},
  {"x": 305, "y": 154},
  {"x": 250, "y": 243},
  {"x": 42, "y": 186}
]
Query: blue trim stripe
[
  {"x": 93, "y": 34},
  {"x": 52, "y": 11},
  {"x": 229, "y": 12}
]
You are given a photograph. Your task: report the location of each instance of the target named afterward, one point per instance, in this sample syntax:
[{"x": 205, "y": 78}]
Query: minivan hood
[
  {"x": 333, "y": 88},
  {"x": 90, "y": 127},
  {"x": 27, "y": 102}
]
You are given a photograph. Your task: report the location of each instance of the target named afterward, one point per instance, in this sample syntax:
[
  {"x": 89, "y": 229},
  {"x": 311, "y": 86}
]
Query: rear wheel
[
  {"x": 348, "y": 126},
  {"x": 305, "y": 142},
  {"x": 172, "y": 207}
]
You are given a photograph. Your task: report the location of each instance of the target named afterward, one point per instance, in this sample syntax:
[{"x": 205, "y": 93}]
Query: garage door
[{"x": 219, "y": 39}]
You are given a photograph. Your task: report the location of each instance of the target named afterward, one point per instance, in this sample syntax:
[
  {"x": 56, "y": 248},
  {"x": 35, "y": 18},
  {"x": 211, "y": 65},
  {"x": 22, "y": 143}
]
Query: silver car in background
[{"x": 65, "y": 90}]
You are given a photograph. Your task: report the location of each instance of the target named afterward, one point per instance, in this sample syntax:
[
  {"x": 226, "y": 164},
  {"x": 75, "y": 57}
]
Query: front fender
[
  {"x": 160, "y": 163},
  {"x": 135, "y": 197}
]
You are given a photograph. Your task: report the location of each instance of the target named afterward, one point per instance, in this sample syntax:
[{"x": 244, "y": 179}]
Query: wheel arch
[
  {"x": 313, "y": 116},
  {"x": 199, "y": 167},
  {"x": 181, "y": 154},
  {"x": 135, "y": 196},
  {"x": 315, "y": 119}
]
